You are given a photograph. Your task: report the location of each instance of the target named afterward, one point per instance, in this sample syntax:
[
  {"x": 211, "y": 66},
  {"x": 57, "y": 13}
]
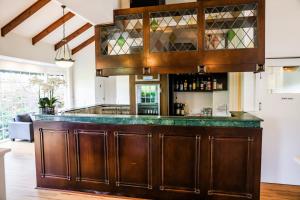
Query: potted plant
[
  {"x": 42, "y": 105},
  {"x": 48, "y": 102},
  {"x": 50, "y": 105}
]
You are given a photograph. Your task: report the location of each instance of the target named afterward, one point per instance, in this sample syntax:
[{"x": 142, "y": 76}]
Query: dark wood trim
[
  {"x": 73, "y": 35},
  {"x": 84, "y": 44},
  {"x": 23, "y": 16},
  {"x": 52, "y": 27}
]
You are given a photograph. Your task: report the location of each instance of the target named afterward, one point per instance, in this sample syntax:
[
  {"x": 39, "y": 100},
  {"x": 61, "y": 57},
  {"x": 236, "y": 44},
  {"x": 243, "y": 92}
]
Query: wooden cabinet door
[
  {"x": 180, "y": 163},
  {"x": 55, "y": 147},
  {"x": 233, "y": 161},
  {"x": 91, "y": 155},
  {"x": 133, "y": 161},
  {"x": 234, "y": 35},
  {"x": 53, "y": 157},
  {"x": 121, "y": 45},
  {"x": 174, "y": 41}
]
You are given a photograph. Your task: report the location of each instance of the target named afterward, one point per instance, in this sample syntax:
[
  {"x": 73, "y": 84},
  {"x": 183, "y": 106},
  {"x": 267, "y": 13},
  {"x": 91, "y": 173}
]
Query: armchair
[{"x": 21, "y": 128}]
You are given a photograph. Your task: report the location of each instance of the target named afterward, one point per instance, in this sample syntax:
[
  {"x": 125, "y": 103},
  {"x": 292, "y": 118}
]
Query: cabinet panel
[
  {"x": 174, "y": 30},
  {"x": 133, "y": 159},
  {"x": 231, "y": 26},
  {"x": 124, "y": 37},
  {"x": 186, "y": 160},
  {"x": 91, "y": 156},
  {"x": 231, "y": 155},
  {"x": 55, "y": 147}
]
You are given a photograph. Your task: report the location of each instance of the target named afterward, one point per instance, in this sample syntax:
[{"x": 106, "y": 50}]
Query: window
[
  {"x": 284, "y": 79},
  {"x": 17, "y": 96}
]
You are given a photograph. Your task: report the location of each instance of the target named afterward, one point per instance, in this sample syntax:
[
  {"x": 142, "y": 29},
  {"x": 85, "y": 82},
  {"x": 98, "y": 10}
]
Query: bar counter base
[{"x": 149, "y": 161}]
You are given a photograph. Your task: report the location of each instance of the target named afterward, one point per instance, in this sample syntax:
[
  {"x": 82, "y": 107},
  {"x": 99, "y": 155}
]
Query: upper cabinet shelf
[{"x": 206, "y": 36}]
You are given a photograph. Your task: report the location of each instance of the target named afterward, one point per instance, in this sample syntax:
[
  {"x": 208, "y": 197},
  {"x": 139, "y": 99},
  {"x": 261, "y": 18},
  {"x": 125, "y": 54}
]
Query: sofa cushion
[{"x": 23, "y": 118}]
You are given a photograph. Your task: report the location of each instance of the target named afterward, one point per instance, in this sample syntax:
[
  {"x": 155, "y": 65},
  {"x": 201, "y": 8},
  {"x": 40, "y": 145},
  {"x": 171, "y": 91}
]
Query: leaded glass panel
[
  {"x": 173, "y": 30},
  {"x": 125, "y": 37},
  {"x": 231, "y": 27}
]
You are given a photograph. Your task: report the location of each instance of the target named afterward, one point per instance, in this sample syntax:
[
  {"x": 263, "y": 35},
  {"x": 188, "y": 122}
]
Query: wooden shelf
[{"x": 200, "y": 91}]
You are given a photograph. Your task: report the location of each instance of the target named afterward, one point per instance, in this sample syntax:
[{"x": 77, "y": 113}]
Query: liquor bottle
[
  {"x": 194, "y": 85},
  {"x": 197, "y": 84},
  {"x": 214, "y": 84},
  {"x": 178, "y": 110},
  {"x": 208, "y": 84},
  {"x": 190, "y": 86},
  {"x": 181, "y": 86},
  {"x": 177, "y": 86},
  {"x": 185, "y": 85},
  {"x": 182, "y": 109},
  {"x": 201, "y": 85}
]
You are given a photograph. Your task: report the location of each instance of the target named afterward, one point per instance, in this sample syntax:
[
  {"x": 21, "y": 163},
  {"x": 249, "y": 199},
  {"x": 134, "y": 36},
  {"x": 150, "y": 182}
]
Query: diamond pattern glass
[
  {"x": 231, "y": 27},
  {"x": 173, "y": 30},
  {"x": 125, "y": 37}
]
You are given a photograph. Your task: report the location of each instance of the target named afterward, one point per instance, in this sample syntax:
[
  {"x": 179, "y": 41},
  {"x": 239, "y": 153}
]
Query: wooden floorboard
[{"x": 20, "y": 179}]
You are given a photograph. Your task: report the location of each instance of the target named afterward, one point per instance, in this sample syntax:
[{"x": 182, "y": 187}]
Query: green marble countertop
[{"x": 238, "y": 119}]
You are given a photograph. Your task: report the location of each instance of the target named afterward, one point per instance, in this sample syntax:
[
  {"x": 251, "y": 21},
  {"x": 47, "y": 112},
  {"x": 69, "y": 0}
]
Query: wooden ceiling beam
[
  {"x": 52, "y": 27},
  {"x": 82, "y": 45},
  {"x": 73, "y": 35},
  {"x": 23, "y": 16}
]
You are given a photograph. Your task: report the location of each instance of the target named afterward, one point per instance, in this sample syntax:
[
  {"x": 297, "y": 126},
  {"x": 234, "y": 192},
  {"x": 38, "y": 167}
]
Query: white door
[{"x": 280, "y": 110}]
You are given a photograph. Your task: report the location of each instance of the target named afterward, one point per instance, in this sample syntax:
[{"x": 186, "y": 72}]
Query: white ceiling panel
[
  {"x": 83, "y": 37},
  {"x": 40, "y": 20},
  {"x": 71, "y": 26},
  {"x": 95, "y": 11},
  {"x": 10, "y": 9}
]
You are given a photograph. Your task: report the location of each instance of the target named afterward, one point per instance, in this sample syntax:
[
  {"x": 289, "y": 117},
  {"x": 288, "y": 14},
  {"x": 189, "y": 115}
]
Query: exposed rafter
[
  {"x": 52, "y": 27},
  {"x": 23, "y": 16},
  {"x": 73, "y": 35},
  {"x": 82, "y": 45}
]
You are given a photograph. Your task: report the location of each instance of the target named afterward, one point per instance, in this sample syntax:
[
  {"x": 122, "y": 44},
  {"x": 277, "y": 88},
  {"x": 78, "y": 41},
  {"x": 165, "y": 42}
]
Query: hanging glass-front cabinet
[{"x": 204, "y": 36}]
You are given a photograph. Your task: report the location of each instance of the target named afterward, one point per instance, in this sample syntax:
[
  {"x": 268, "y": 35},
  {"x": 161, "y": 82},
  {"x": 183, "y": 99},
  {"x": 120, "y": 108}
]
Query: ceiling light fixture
[{"x": 63, "y": 56}]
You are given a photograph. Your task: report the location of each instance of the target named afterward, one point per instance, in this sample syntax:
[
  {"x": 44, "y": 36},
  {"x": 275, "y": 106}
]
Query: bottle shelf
[{"x": 200, "y": 91}]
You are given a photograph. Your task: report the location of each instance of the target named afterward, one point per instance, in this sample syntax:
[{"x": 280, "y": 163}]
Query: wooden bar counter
[{"x": 217, "y": 158}]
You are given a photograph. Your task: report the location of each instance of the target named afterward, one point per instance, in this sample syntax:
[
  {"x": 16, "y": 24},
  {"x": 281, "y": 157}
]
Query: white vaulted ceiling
[
  {"x": 96, "y": 11},
  {"x": 92, "y": 11}
]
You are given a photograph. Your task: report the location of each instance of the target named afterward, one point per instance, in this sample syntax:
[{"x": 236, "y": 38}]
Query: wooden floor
[{"x": 20, "y": 179}]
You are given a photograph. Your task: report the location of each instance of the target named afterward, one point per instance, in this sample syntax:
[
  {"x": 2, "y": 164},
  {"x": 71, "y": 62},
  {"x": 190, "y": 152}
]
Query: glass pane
[
  {"x": 125, "y": 37},
  {"x": 284, "y": 79},
  {"x": 231, "y": 27},
  {"x": 173, "y": 31}
]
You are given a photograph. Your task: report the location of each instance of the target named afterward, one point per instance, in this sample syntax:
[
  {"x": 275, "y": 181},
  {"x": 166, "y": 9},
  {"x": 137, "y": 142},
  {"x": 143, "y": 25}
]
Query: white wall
[
  {"x": 282, "y": 28},
  {"x": 89, "y": 89},
  {"x": 13, "y": 45},
  {"x": 122, "y": 90},
  {"x": 248, "y": 92},
  {"x": 195, "y": 101},
  {"x": 84, "y": 77}
]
